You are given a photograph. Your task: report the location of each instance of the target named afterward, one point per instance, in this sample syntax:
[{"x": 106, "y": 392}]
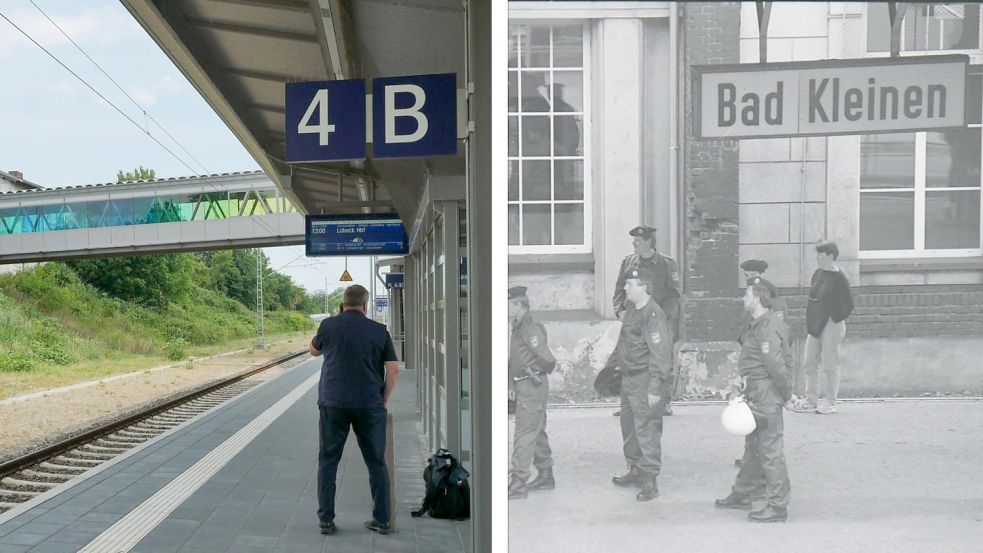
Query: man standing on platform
[
  {"x": 830, "y": 303},
  {"x": 530, "y": 360},
  {"x": 358, "y": 376},
  {"x": 644, "y": 353},
  {"x": 764, "y": 365},
  {"x": 664, "y": 288}
]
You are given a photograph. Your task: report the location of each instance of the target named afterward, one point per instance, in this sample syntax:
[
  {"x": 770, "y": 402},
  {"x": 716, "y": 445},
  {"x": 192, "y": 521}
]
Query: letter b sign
[{"x": 414, "y": 116}]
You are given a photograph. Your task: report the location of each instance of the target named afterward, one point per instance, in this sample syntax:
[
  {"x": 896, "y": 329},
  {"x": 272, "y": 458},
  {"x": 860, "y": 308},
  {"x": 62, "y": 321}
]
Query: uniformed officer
[
  {"x": 764, "y": 364},
  {"x": 530, "y": 360},
  {"x": 644, "y": 354},
  {"x": 665, "y": 289},
  {"x": 754, "y": 274}
]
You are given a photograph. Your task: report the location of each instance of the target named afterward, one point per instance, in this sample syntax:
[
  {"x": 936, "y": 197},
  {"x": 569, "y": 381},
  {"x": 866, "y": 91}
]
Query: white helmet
[{"x": 737, "y": 418}]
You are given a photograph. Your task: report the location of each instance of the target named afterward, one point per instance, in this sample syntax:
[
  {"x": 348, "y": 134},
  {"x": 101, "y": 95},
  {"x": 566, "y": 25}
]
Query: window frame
[
  {"x": 919, "y": 190},
  {"x": 585, "y": 133}
]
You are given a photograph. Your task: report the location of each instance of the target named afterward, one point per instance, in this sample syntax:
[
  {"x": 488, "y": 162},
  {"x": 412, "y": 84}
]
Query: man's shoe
[
  {"x": 733, "y": 501},
  {"x": 737, "y": 462},
  {"x": 769, "y": 514},
  {"x": 649, "y": 491},
  {"x": 825, "y": 408},
  {"x": 328, "y": 528},
  {"x": 634, "y": 477},
  {"x": 617, "y": 413},
  {"x": 667, "y": 412},
  {"x": 517, "y": 489},
  {"x": 378, "y": 527},
  {"x": 543, "y": 481}
]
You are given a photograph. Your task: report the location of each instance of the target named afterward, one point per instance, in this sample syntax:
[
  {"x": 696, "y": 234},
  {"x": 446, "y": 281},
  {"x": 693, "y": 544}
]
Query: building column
[{"x": 618, "y": 158}]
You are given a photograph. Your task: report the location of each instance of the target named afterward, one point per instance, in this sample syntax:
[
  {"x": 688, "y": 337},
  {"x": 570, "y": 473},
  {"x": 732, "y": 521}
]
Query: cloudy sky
[{"x": 59, "y": 133}]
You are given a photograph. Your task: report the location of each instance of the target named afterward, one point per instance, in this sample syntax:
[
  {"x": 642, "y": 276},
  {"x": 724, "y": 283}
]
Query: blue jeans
[{"x": 370, "y": 431}]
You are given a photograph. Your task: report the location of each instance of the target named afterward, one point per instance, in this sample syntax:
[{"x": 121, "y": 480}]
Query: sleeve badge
[
  {"x": 765, "y": 347},
  {"x": 656, "y": 337},
  {"x": 534, "y": 341}
]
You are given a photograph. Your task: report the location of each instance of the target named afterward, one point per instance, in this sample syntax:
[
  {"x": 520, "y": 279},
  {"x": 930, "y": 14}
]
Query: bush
[
  {"x": 17, "y": 362},
  {"x": 176, "y": 349}
]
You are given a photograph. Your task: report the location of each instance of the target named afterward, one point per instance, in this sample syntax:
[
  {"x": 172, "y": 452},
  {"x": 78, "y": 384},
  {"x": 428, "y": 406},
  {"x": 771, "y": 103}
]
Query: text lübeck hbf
[{"x": 828, "y": 103}]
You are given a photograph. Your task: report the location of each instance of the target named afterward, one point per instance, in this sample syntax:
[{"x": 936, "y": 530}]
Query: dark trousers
[
  {"x": 763, "y": 464},
  {"x": 531, "y": 444},
  {"x": 641, "y": 423},
  {"x": 370, "y": 431}
]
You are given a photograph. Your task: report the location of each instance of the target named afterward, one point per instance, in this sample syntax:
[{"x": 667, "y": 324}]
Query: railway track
[{"x": 26, "y": 477}]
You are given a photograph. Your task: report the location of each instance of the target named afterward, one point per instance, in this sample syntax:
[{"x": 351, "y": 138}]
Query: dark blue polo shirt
[{"x": 355, "y": 349}]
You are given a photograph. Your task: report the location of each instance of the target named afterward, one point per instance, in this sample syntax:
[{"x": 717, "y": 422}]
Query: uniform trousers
[
  {"x": 764, "y": 458},
  {"x": 641, "y": 423},
  {"x": 531, "y": 445}
]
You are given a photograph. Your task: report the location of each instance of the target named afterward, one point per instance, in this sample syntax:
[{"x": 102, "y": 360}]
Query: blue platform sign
[
  {"x": 325, "y": 120},
  {"x": 394, "y": 280},
  {"x": 414, "y": 116},
  {"x": 359, "y": 234}
]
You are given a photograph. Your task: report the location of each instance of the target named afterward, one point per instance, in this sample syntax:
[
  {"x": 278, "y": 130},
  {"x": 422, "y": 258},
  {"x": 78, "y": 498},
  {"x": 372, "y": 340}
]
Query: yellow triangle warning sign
[{"x": 345, "y": 277}]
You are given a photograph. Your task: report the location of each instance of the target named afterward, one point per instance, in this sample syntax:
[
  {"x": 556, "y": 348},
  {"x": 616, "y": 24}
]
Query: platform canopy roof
[{"x": 240, "y": 53}]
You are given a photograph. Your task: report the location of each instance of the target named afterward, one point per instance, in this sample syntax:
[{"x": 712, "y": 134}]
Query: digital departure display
[{"x": 361, "y": 234}]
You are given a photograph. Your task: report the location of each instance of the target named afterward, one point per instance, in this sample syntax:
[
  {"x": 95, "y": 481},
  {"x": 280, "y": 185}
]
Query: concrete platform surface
[
  {"x": 262, "y": 500},
  {"x": 874, "y": 477}
]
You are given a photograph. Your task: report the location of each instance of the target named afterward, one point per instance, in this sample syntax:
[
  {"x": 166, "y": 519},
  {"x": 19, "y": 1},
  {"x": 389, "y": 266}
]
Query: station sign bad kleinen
[{"x": 830, "y": 97}]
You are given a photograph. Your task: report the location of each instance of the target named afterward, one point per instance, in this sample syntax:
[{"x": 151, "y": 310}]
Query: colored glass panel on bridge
[{"x": 149, "y": 210}]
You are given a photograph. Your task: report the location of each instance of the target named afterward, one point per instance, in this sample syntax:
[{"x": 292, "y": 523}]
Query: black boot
[
  {"x": 517, "y": 489},
  {"x": 634, "y": 477},
  {"x": 733, "y": 501},
  {"x": 769, "y": 514},
  {"x": 649, "y": 489},
  {"x": 543, "y": 481}
]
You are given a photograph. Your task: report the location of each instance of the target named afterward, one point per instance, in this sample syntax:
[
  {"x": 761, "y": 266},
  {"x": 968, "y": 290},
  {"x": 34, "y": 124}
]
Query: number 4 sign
[
  {"x": 325, "y": 120},
  {"x": 410, "y": 116}
]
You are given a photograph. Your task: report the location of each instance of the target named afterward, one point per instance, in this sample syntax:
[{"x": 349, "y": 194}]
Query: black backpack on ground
[{"x": 448, "y": 491}]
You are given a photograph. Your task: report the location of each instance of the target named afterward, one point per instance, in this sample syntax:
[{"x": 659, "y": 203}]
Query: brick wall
[
  {"x": 710, "y": 172},
  {"x": 905, "y": 315}
]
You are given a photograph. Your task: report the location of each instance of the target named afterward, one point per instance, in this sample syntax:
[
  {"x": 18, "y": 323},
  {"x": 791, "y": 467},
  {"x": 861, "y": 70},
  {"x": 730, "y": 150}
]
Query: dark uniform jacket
[
  {"x": 665, "y": 290},
  {"x": 528, "y": 348},
  {"x": 766, "y": 361},
  {"x": 645, "y": 343}
]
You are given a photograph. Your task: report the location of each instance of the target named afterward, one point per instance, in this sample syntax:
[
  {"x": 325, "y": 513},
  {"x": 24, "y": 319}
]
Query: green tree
[
  {"x": 146, "y": 279},
  {"x": 151, "y": 280},
  {"x": 140, "y": 173}
]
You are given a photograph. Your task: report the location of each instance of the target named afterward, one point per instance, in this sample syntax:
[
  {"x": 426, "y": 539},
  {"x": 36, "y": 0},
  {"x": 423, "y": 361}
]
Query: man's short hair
[
  {"x": 763, "y": 294},
  {"x": 828, "y": 248},
  {"x": 355, "y": 296}
]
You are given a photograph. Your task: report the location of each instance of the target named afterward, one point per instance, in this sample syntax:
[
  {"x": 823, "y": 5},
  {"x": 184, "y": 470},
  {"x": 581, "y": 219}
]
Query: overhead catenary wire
[
  {"x": 146, "y": 114},
  {"x": 145, "y": 130}
]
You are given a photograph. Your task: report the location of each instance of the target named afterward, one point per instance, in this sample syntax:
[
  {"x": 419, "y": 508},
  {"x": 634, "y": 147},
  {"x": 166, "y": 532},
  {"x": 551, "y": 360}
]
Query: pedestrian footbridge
[{"x": 237, "y": 210}]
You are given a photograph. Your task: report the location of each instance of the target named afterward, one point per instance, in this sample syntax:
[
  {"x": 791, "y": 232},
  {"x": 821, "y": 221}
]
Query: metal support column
[
  {"x": 452, "y": 334},
  {"x": 481, "y": 292}
]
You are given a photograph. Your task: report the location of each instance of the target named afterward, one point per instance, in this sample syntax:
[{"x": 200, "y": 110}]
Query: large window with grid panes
[
  {"x": 920, "y": 192},
  {"x": 548, "y": 112}
]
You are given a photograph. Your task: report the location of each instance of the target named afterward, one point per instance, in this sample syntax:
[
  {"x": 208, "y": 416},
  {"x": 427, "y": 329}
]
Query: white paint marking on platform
[{"x": 139, "y": 522}]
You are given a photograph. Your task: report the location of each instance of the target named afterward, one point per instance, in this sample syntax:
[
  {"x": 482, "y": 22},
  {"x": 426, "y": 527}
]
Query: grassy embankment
[{"x": 55, "y": 330}]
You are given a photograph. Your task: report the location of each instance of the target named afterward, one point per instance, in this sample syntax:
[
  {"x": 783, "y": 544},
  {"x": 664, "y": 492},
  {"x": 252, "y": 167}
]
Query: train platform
[
  {"x": 875, "y": 477},
  {"x": 241, "y": 478}
]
